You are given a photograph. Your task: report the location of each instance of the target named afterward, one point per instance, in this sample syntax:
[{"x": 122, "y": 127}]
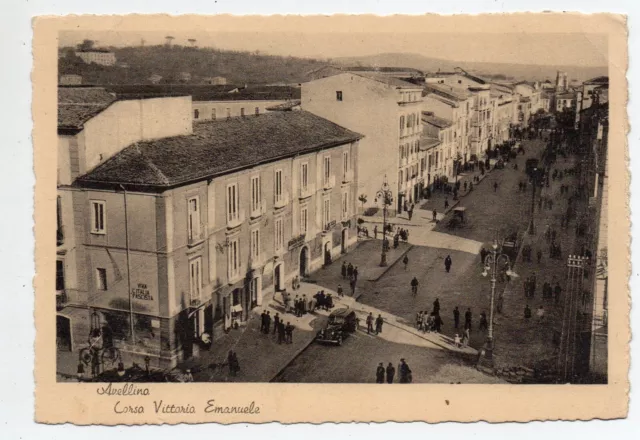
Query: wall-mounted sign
[{"x": 141, "y": 292}]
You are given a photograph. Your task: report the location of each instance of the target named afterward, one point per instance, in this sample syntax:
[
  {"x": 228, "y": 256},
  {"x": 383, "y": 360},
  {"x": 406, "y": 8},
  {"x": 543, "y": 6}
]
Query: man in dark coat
[
  {"x": 435, "y": 215},
  {"x": 370, "y": 323},
  {"x": 343, "y": 270},
  {"x": 437, "y": 323},
  {"x": 355, "y": 273},
  {"x": 281, "y": 332},
  {"x": 267, "y": 323},
  {"x": 447, "y": 263},
  {"x": 456, "y": 317},
  {"x": 263, "y": 321},
  {"x": 467, "y": 319},
  {"x": 276, "y": 323},
  {"x": 436, "y": 307},
  {"x": 380, "y": 373},
  {"x": 350, "y": 270},
  {"x": 289, "y": 333},
  {"x": 391, "y": 372},
  {"x": 379, "y": 322},
  {"x": 404, "y": 371}
]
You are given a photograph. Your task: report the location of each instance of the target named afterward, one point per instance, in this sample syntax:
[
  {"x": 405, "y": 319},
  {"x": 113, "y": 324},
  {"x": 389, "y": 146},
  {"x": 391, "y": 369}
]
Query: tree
[
  {"x": 86, "y": 45},
  {"x": 169, "y": 39},
  {"x": 192, "y": 42},
  {"x": 363, "y": 199}
]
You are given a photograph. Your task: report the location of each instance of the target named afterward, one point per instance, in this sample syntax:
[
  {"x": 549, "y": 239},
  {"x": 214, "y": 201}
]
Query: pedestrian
[
  {"x": 369, "y": 323},
  {"x": 446, "y": 203},
  {"x": 303, "y": 305},
  {"x": 340, "y": 292},
  {"x": 539, "y": 255},
  {"x": 405, "y": 261},
  {"x": 495, "y": 186},
  {"x": 281, "y": 332},
  {"x": 288, "y": 330},
  {"x": 350, "y": 271},
  {"x": 483, "y": 321},
  {"x": 466, "y": 336},
  {"x": 234, "y": 365},
  {"x": 483, "y": 254},
  {"x": 405, "y": 372},
  {"x": 263, "y": 321},
  {"x": 437, "y": 323},
  {"x": 375, "y": 232},
  {"x": 419, "y": 320},
  {"x": 527, "y": 312},
  {"x": 353, "y": 287},
  {"x": 380, "y": 372},
  {"x": 456, "y": 317},
  {"x": 268, "y": 323},
  {"x": 276, "y": 323},
  {"x": 540, "y": 313},
  {"x": 447, "y": 263},
  {"x": 343, "y": 270},
  {"x": 499, "y": 303},
  {"x": 467, "y": 319},
  {"x": 435, "y": 215},
  {"x": 391, "y": 372},
  {"x": 379, "y": 322},
  {"x": 410, "y": 212},
  {"x": 355, "y": 274},
  {"x": 436, "y": 307},
  {"x": 414, "y": 286},
  {"x": 456, "y": 341}
]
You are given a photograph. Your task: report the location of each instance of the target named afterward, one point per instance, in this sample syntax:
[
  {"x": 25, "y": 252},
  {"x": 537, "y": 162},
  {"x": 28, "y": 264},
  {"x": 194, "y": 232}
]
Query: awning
[{"x": 236, "y": 308}]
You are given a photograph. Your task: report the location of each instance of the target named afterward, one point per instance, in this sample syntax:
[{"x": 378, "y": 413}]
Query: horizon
[{"x": 576, "y": 50}]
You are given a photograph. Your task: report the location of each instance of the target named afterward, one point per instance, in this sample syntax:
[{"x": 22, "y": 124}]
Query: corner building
[{"x": 186, "y": 234}]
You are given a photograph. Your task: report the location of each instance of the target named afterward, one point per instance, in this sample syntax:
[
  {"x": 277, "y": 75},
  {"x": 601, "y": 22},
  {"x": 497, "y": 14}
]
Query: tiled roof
[
  {"x": 217, "y": 148},
  {"x": 598, "y": 80},
  {"x": 382, "y": 69},
  {"x": 427, "y": 142},
  {"x": 436, "y": 121},
  {"x": 388, "y": 80},
  {"x": 284, "y": 106},
  {"x": 455, "y": 93},
  {"x": 205, "y": 92},
  {"x": 76, "y": 105}
]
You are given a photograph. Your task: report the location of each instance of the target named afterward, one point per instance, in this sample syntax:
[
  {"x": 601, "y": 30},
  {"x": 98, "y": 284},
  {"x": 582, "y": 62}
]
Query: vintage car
[{"x": 341, "y": 323}]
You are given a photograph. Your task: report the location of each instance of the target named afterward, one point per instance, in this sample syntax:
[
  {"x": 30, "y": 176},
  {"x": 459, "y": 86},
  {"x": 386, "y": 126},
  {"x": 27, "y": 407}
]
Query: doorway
[
  {"x": 304, "y": 267},
  {"x": 343, "y": 241},
  {"x": 63, "y": 333},
  {"x": 278, "y": 278},
  {"x": 327, "y": 253}
]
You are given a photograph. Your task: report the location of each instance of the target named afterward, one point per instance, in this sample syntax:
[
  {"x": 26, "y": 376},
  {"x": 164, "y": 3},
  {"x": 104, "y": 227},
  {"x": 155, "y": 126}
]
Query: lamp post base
[
  {"x": 383, "y": 259},
  {"x": 485, "y": 357}
]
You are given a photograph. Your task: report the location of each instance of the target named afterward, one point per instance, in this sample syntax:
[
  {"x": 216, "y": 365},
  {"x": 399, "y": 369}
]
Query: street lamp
[
  {"x": 491, "y": 267},
  {"x": 386, "y": 197}
]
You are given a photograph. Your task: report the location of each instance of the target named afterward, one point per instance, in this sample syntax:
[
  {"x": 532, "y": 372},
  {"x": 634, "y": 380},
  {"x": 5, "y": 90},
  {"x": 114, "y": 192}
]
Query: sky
[{"x": 577, "y": 49}]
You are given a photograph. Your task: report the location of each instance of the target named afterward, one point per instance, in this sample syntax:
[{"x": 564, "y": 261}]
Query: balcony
[
  {"x": 260, "y": 210},
  {"x": 328, "y": 226},
  {"x": 329, "y": 182},
  {"x": 307, "y": 191},
  {"x": 195, "y": 301},
  {"x": 282, "y": 200},
  {"x": 347, "y": 177},
  {"x": 234, "y": 277},
  {"x": 61, "y": 299},
  {"x": 60, "y": 236},
  {"x": 195, "y": 237},
  {"x": 234, "y": 222}
]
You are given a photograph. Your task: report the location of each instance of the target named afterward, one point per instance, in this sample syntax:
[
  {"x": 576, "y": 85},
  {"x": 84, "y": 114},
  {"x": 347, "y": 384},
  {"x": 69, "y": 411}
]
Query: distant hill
[
  {"x": 137, "y": 64},
  {"x": 532, "y": 72}
]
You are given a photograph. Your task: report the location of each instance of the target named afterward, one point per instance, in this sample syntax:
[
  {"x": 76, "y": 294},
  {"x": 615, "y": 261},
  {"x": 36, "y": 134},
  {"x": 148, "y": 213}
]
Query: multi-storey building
[
  {"x": 504, "y": 107},
  {"x": 386, "y": 111},
  {"x": 441, "y": 155},
  {"x": 104, "y": 57},
  {"x": 456, "y": 105},
  {"x": 176, "y": 230},
  {"x": 70, "y": 80}
]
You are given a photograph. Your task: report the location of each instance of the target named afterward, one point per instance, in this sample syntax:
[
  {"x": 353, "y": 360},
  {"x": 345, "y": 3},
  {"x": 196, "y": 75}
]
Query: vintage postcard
[{"x": 331, "y": 219}]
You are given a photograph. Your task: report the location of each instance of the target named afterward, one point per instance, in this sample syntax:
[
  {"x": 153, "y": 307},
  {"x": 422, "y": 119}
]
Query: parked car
[{"x": 342, "y": 322}]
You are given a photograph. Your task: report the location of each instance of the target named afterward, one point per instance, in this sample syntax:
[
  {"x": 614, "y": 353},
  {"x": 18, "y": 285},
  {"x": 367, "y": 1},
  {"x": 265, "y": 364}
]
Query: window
[
  {"x": 256, "y": 194},
  {"x": 401, "y": 125},
  {"x": 345, "y": 205},
  {"x": 232, "y": 202},
  {"x": 279, "y": 233},
  {"x": 233, "y": 258},
  {"x": 327, "y": 169},
  {"x": 98, "y": 224},
  {"x": 213, "y": 113},
  {"x": 59, "y": 275},
  {"x": 304, "y": 220},
  {"x": 242, "y": 112},
  {"x": 255, "y": 244},
  {"x": 196, "y": 114},
  {"x": 193, "y": 221},
  {"x": 278, "y": 185},
  {"x": 101, "y": 278},
  {"x": 257, "y": 111},
  {"x": 304, "y": 176},
  {"x": 345, "y": 162},
  {"x": 338, "y": 95},
  {"x": 401, "y": 151},
  {"x": 195, "y": 277},
  {"x": 59, "y": 229},
  {"x": 326, "y": 212},
  {"x": 400, "y": 177}
]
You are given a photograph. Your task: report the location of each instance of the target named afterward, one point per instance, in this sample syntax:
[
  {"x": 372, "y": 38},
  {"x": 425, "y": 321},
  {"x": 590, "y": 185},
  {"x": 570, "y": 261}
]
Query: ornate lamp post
[
  {"x": 385, "y": 196},
  {"x": 491, "y": 267}
]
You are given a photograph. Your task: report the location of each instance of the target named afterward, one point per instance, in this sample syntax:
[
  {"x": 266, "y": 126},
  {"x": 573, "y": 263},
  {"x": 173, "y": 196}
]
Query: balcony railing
[
  {"x": 195, "y": 237},
  {"x": 282, "y": 200},
  {"x": 307, "y": 191},
  {"x": 347, "y": 176},
  {"x": 61, "y": 299},
  {"x": 330, "y": 182},
  {"x": 260, "y": 210},
  {"x": 234, "y": 222}
]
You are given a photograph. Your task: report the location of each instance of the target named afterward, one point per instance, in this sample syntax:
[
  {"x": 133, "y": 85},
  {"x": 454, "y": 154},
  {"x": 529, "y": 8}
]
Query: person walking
[
  {"x": 370, "y": 323},
  {"x": 340, "y": 291},
  {"x": 405, "y": 261},
  {"x": 353, "y": 287},
  {"x": 436, "y": 307},
  {"x": 289, "y": 333},
  {"x": 419, "y": 320},
  {"x": 379, "y": 322},
  {"x": 456, "y": 317},
  {"x": 268, "y": 323},
  {"x": 380, "y": 372},
  {"x": 375, "y": 232},
  {"x": 447, "y": 263},
  {"x": 539, "y": 255},
  {"x": 355, "y": 274},
  {"x": 414, "y": 286},
  {"x": 405, "y": 372},
  {"x": 466, "y": 337},
  {"x": 446, "y": 203},
  {"x": 391, "y": 372},
  {"x": 437, "y": 323},
  {"x": 457, "y": 341},
  {"x": 234, "y": 364},
  {"x": 276, "y": 323},
  {"x": 263, "y": 321},
  {"x": 495, "y": 186},
  {"x": 343, "y": 270},
  {"x": 410, "y": 211},
  {"x": 467, "y": 319},
  {"x": 435, "y": 215},
  {"x": 350, "y": 271},
  {"x": 281, "y": 332}
]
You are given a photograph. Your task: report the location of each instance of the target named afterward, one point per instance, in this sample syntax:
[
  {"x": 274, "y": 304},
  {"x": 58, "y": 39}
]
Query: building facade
[
  {"x": 387, "y": 112},
  {"x": 184, "y": 235},
  {"x": 103, "y": 57},
  {"x": 70, "y": 80},
  {"x": 441, "y": 158}
]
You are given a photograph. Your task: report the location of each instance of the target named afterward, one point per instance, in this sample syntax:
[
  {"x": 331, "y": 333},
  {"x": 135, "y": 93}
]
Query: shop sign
[{"x": 141, "y": 292}]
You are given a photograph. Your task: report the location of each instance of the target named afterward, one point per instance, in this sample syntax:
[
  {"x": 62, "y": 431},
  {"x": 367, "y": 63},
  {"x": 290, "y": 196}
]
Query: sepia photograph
[{"x": 291, "y": 207}]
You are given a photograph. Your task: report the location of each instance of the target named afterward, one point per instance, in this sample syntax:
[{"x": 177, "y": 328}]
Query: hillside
[
  {"x": 169, "y": 62},
  {"x": 531, "y": 72}
]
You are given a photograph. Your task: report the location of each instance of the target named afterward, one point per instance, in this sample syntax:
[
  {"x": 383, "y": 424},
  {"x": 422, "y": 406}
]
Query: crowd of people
[{"x": 389, "y": 373}]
